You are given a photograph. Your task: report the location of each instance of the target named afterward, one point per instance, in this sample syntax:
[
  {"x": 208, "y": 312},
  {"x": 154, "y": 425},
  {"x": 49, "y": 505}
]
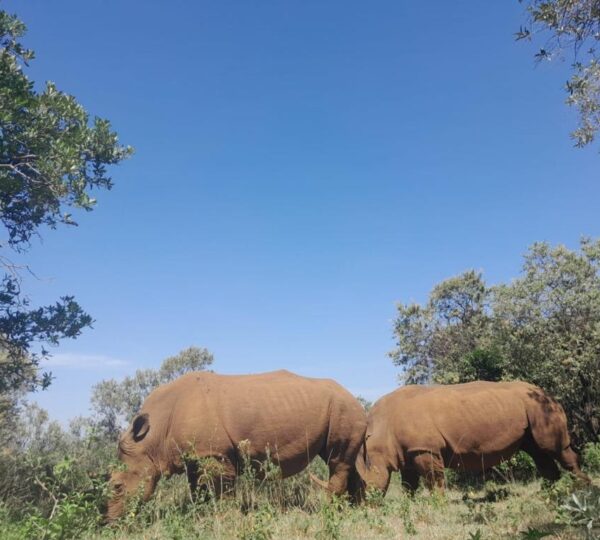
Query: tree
[
  {"x": 543, "y": 327},
  {"x": 366, "y": 404},
  {"x": 548, "y": 323},
  {"x": 51, "y": 158},
  {"x": 433, "y": 341},
  {"x": 116, "y": 402},
  {"x": 571, "y": 25}
]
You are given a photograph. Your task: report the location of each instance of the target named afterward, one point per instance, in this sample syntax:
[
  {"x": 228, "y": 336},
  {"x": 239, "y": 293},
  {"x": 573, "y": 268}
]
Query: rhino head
[
  {"x": 138, "y": 476},
  {"x": 374, "y": 463}
]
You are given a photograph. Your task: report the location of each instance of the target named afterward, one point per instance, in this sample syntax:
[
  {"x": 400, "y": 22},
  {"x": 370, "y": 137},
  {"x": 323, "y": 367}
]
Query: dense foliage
[
  {"x": 543, "y": 327},
  {"x": 51, "y": 158},
  {"x": 572, "y": 26}
]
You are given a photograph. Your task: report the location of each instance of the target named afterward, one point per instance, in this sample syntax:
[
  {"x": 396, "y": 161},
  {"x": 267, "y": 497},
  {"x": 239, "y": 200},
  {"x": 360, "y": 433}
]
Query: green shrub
[
  {"x": 519, "y": 468},
  {"x": 495, "y": 493},
  {"x": 582, "y": 509},
  {"x": 258, "y": 525},
  {"x": 591, "y": 457},
  {"x": 406, "y": 514},
  {"x": 557, "y": 491},
  {"x": 73, "y": 511},
  {"x": 533, "y": 534},
  {"x": 332, "y": 516}
]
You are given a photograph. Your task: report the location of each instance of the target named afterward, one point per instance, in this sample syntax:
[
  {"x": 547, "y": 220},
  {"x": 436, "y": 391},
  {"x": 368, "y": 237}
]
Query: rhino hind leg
[
  {"x": 431, "y": 467},
  {"x": 356, "y": 487},
  {"x": 343, "y": 476},
  {"x": 410, "y": 479}
]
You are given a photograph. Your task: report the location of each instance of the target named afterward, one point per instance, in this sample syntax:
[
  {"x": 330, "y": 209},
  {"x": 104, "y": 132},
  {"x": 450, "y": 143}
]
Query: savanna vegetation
[
  {"x": 543, "y": 327},
  {"x": 52, "y": 489}
]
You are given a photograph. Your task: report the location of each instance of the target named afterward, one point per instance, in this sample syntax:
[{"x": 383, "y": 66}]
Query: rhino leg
[
  {"x": 204, "y": 482},
  {"x": 544, "y": 459},
  {"x": 545, "y": 465},
  {"x": 431, "y": 467},
  {"x": 410, "y": 479},
  {"x": 356, "y": 487},
  {"x": 192, "y": 474},
  {"x": 339, "y": 475},
  {"x": 342, "y": 479},
  {"x": 341, "y": 461}
]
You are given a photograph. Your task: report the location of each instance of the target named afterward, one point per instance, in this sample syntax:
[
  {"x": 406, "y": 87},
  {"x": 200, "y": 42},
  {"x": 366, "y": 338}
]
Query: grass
[
  {"x": 476, "y": 512},
  {"x": 295, "y": 509}
]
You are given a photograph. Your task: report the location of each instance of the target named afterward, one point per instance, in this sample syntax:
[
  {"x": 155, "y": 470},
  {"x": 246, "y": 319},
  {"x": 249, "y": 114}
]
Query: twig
[{"x": 52, "y": 496}]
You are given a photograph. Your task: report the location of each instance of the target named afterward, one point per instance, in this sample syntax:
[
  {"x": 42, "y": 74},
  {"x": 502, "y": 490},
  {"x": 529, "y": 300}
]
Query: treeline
[{"x": 543, "y": 327}]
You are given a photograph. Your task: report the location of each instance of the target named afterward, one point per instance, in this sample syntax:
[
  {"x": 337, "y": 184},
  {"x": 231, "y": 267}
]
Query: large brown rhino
[
  {"x": 203, "y": 414},
  {"x": 419, "y": 430}
]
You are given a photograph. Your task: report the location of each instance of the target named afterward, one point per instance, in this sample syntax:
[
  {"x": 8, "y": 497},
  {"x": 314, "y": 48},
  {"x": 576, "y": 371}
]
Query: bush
[
  {"x": 591, "y": 457},
  {"x": 519, "y": 468},
  {"x": 34, "y": 466},
  {"x": 73, "y": 510},
  {"x": 582, "y": 509},
  {"x": 556, "y": 492},
  {"x": 332, "y": 514}
]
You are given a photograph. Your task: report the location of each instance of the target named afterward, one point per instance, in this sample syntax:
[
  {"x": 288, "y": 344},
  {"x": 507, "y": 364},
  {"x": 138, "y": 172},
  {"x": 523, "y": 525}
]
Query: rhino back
[
  {"x": 276, "y": 409},
  {"x": 289, "y": 414},
  {"x": 462, "y": 420}
]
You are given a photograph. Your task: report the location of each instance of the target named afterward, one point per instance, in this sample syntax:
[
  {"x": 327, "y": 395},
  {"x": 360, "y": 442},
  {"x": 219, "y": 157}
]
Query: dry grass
[{"x": 482, "y": 512}]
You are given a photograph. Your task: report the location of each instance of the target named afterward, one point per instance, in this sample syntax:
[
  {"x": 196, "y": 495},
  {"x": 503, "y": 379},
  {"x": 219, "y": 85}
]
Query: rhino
[
  {"x": 280, "y": 415},
  {"x": 420, "y": 430}
]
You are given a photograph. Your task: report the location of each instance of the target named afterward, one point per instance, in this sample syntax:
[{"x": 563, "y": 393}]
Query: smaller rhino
[
  {"x": 235, "y": 419},
  {"x": 420, "y": 430}
]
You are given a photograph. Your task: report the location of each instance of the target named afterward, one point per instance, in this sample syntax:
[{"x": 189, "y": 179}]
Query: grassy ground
[
  {"x": 476, "y": 512},
  {"x": 294, "y": 509}
]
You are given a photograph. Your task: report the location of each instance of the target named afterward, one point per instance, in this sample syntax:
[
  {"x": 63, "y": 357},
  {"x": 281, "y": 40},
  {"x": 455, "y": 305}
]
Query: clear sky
[{"x": 300, "y": 167}]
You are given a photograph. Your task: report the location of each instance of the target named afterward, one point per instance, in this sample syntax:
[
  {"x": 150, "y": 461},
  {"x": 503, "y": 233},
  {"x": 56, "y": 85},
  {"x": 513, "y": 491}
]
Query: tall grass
[{"x": 264, "y": 506}]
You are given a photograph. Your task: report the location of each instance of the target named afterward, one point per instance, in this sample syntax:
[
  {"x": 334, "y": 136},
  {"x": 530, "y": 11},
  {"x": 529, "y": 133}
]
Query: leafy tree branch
[{"x": 52, "y": 156}]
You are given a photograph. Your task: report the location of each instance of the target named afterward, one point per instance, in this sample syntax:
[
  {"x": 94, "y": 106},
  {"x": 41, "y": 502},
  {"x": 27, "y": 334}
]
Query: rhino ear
[{"x": 140, "y": 427}]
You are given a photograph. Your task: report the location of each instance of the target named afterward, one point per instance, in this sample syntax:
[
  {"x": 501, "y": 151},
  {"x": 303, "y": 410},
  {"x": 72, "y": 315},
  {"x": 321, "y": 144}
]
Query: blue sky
[{"x": 299, "y": 168}]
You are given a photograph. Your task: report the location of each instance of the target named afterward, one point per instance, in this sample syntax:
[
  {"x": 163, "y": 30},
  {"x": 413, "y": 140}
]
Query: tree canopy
[
  {"x": 571, "y": 26},
  {"x": 543, "y": 327},
  {"x": 51, "y": 158}
]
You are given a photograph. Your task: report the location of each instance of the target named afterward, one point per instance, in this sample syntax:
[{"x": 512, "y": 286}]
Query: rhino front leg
[{"x": 216, "y": 478}]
